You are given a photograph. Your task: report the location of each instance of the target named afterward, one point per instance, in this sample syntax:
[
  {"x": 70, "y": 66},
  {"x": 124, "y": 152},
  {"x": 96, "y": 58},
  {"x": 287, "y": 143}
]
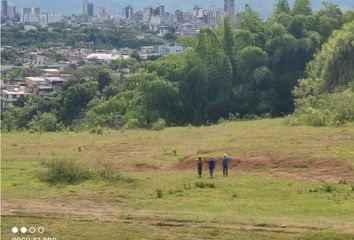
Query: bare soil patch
[{"x": 323, "y": 170}]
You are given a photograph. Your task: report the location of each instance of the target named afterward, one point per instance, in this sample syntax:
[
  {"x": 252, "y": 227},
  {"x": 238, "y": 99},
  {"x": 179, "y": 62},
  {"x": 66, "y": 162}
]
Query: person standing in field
[
  {"x": 225, "y": 165},
  {"x": 211, "y": 166},
  {"x": 200, "y": 167}
]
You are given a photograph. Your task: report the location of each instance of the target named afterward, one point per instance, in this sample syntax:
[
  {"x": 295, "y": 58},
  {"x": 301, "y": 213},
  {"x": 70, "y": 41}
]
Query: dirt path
[
  {"x": 326, "y": 170},
  {"x": 88, "y": 210}
]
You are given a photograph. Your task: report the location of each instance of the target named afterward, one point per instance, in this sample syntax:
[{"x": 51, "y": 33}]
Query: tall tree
[
  {"x": 282, "y": 7},
  {"x": 302, "y": 7},
  {"x": 229, "y": 40},
  {"x": 104, "y": 79}
]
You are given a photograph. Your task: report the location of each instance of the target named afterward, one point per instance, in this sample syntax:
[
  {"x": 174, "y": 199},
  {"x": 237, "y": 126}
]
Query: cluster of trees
[
  {"x": 247, "y": 69},
  {"x": 60, "y": 33},
  {"x": 326, "y": 95},
  {"x": 250, "y": 69}
]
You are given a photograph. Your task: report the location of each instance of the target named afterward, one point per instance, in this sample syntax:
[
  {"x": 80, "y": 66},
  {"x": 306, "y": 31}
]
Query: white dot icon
[
  {"x": 23, "y": 230},
  {"x": 14, "y": 230}
]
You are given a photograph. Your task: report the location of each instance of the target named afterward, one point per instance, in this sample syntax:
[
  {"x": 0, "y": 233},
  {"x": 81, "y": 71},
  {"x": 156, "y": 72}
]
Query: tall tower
[
  {"x": 90, "y": 9},
  {"x": 4, "y": 8},
  {"x": 87, "y": 9},
  {"x": 229, "y": 8}
]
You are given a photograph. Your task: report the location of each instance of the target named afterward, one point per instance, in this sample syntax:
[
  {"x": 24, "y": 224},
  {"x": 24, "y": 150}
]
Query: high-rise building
[
  {"x": 26, "y": 10},
  {"x": 87, "y": 9},
  {"x": 4, "y": 8},
  {"x": 102, "y": 14},
  {"x": 179, "y": 16},
  {"x": 229, "y": 8},
  {"x": 90, "y": 9},
  {"x": 11, "y": 10},
  {"x": 128, "y": 12},
  {"x": 159, "y": 10},
  {"x": 36, "y": 10}
]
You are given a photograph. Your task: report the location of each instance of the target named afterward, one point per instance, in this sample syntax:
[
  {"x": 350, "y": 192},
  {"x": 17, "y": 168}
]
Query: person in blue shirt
[
  {"x": 211, "y": 166},
  {"x": 225, "y": 165}
]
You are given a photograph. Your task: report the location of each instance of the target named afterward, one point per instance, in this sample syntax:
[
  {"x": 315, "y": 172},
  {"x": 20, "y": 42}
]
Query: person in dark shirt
[
  {"x": 211, "y": 166},
  {"x": 225, "y": 165},
  {"x": 200, "y": 167}
]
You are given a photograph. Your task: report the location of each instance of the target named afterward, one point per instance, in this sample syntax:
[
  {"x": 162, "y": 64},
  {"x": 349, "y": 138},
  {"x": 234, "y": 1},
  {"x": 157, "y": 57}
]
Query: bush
[
  {"x": 132, "y": 123},
  {"x": 66, "y": 171},
  {"x": 325, "y": 110},
  {"x": 97, "y": 130},
  {"x": 46, "y": 122},
  {"x": 159, "y": 193},
  {"x": 160, "y": 124},
  {"x": 328, "y": 188},
  {"x": 107, "y": 173},
  {"x": 221, "y": 120},
  {"x": 204, "y": 185}
]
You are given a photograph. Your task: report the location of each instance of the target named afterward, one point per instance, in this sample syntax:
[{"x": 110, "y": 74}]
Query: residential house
[
  {"x": 51, "y": 72},
  {"x": 11, "y": 95},
  {"x": 43, "y": 90}
]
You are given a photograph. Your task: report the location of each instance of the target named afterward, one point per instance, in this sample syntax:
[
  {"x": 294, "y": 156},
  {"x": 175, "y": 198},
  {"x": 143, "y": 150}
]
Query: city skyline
[{"x": 114, "y": 7}]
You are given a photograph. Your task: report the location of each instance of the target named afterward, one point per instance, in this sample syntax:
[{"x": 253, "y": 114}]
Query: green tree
[
  {"x": 75, "y": 99},
  {"x": 104, "y": 79},
  {"x": 229, "y": 40},
  {"x": 330, "y": 10},
  {"x": 282, "y": 6},
  {"x": 44, "y": 122},
  {"x": 302, "y": 7}
]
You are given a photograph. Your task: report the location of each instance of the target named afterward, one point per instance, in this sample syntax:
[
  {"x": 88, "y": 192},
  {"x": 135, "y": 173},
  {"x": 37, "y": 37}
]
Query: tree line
[{"x": 251, "y": 68}]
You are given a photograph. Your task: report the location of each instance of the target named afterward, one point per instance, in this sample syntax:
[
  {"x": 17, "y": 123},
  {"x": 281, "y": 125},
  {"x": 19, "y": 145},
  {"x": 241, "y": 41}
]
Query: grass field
[{"x": 285, "y": 183}]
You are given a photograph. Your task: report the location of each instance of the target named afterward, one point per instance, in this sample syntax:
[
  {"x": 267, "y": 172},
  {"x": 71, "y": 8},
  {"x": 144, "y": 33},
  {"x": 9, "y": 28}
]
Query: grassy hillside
[{"x": 285, "y": 183}]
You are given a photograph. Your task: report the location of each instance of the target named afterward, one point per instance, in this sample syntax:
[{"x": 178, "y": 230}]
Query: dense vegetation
[
  {"x": 245, "y": 70},
  {"x": 63, "y": 34},
  {"x": 326, "y": 96}
]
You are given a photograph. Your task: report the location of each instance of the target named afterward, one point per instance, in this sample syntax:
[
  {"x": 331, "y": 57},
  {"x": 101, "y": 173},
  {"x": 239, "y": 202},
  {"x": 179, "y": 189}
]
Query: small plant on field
[
  {"x": 66, "y": 171},
  {"x": 174, "y": 152},
  {"x": 160, "y": 124},
  {"x": 328, "y": 188},
  {"x": 352, "y": 188},
  {"x": 313, "y": 190},
  {"x": 204, "y": 185},
  {"x": 159, "y": 193},
  {"x": 187, "y": 186},
  {"x": 174, "y": 191},
  {"x": 97, "y": 130},
  {"x": 235, "y": 195},
  {"x": 342, "y": 182},
  {"x": 108, "y": 173}
]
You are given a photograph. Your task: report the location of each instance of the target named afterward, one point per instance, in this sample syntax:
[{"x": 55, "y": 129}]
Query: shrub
[
  {"x": 328, "y": 188},
  {"x": 159, "y": 193},
  {"x": 132, "y": 123},
  {"x": 108, "y": 173},
  {"x": 221, "y": 120},
  {"x": 204, "y": 185},
  {"x": 96, "y": 130},
  {"x": 234, "y": 116},
  {"x": 187, "y": 186},
  {"x": 160, "y": 124},
  {"x": 99, "y": 130},
  {"x": 45, "y": 122},
  {"x": 66, "y": 171},
  {"x": 326, "y": 110}
]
